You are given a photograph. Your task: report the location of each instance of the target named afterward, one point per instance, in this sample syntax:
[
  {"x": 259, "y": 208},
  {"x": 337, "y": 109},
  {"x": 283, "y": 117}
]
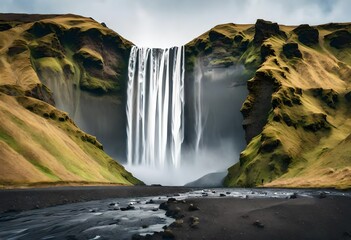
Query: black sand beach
[{"x": 233, "y": 218}]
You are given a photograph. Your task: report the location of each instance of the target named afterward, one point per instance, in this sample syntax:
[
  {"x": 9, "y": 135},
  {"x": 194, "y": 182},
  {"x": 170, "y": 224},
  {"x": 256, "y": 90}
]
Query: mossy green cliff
[
  {"x": 297, "y": 111},
  {"x": 39, "y": 143}
]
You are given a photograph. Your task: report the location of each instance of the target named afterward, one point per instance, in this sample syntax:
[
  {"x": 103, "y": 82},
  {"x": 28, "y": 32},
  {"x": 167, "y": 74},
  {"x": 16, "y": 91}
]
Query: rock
[
  {"x": 174, "y": 213},
  {"x": 322, "y": 195},
  {"x": 129, "y": 207},
  {"x": 339, "y": 39},
  {"x": 164, "y": 206},
  {"x": 194, "y": 225},
  {"x": 176, "y": 194},
  {"x": 194, "y": 222},
  {"x": 150, "y": 202},
  {"x": 222, "y": 195},
  {"x": 269, "y": 145},
  {"x": 145, "y": 226},
  {"x": 217, "y": 36},
  {"x": 291, "y": 50},
  {"x": 168, "y": 234},
  {"x": 307, "y": 35},
  {"x": 177, "y": 223},
  {"x": 192, "y": 207},
  {"x": 266, "y": 51},
  {"x": 228, "y": 193},
  {"x": 258, "y": 224},
  {"x": 112, "y": 204},
  {"x": 171, "y": 200},
  {"x": 293, "y": 196},
  {"x": 266, "y": 29}
]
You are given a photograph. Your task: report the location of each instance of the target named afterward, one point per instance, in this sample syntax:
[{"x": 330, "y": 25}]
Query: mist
[{"x": 214, "y": 136}]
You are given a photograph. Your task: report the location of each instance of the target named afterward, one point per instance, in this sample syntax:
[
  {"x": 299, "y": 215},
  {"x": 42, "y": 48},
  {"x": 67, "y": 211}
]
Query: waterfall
[
  {"x": 198, "y": 107},
  {"x": 155, "y": 106}
]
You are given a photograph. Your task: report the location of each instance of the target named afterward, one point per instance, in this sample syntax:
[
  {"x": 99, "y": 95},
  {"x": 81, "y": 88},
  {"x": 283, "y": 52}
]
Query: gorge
[{"x": 267, "y": 101}]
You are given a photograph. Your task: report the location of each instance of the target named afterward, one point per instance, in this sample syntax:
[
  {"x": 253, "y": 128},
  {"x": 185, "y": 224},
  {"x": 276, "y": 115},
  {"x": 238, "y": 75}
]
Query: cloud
[{"x": 165, "y": 23}]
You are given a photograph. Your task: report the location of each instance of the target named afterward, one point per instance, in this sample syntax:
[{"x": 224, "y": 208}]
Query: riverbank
[{"x": 35, "y": 198}]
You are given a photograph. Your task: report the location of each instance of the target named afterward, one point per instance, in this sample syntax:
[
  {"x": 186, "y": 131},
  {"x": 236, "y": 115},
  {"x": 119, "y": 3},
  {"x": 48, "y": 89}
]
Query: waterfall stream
[
  {"x": 155, "y": 106},
  {"x": 179, "y": 131}
]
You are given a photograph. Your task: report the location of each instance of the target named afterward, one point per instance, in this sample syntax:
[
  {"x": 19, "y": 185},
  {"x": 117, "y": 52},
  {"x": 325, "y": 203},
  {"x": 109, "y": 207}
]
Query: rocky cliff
[
  {"x": 48, "y": 57},
  {"x": 296, "y": 114}
]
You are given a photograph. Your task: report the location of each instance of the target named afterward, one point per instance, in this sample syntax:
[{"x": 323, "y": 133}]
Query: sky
[{"x": 167, "y": 23}]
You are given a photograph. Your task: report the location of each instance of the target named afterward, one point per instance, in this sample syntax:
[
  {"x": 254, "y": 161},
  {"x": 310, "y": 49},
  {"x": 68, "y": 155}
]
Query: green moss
[
  {"x": 48, "y": 64},
  {"x": 98, "y": 86},
  {"x": 11, "y": 142}
]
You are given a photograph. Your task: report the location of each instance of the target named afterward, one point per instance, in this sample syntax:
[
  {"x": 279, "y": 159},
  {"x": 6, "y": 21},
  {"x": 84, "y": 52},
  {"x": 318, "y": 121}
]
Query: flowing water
[
  {"x": 108, "y": 219},
  {"x": 179, "y": 127},
  {"x": 155, "y": 106}
]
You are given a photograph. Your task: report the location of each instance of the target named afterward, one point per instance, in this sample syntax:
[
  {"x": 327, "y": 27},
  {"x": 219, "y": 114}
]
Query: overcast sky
[{"x": 165, "y": 23}]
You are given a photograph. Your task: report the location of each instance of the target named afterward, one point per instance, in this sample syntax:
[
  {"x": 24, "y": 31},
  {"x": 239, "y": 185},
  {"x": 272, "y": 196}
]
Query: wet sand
[
  {"x": 233, "y": 218},
  {"x": 33, "y": 198}
]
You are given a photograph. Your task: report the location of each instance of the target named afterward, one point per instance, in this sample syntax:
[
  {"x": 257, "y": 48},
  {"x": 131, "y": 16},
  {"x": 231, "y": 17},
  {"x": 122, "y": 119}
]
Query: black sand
[{"x": 283, "y": 219}]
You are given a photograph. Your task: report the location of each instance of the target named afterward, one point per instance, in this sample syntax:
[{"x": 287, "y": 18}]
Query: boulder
[
  {"x": 307, "y": 35},
  {"x": 291, "y": 50},
  {"x": 266, "y": 29},
  {"x": 266, "y": 51},
  {"x": 339, "y": 39}
]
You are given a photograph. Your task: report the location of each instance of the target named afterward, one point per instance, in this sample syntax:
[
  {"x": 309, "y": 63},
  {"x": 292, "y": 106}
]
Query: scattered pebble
[
  {"x": 192, "y": 207},
  {"x": 194, "y": 222},
  {"x": 178, "y": 223},
  {"x": 258, "y": 224}
]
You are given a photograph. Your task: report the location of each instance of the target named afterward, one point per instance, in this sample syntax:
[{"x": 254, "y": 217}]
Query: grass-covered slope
[
  {"x": 39, "y": 143},
  {"x": 297, "y": 111}
]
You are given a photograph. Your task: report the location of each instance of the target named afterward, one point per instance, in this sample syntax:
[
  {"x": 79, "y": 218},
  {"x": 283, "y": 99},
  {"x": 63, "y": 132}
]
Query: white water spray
[{"x": 155, "y": 106}]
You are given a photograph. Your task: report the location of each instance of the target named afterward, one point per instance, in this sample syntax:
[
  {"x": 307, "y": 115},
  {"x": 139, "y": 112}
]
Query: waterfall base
[{"x": 194, "y": 166}]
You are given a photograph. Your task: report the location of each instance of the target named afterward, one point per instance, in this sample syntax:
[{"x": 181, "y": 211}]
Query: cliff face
[
  {"x": 295, "y": 116},
  {"x": 49, "y": 61}
]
